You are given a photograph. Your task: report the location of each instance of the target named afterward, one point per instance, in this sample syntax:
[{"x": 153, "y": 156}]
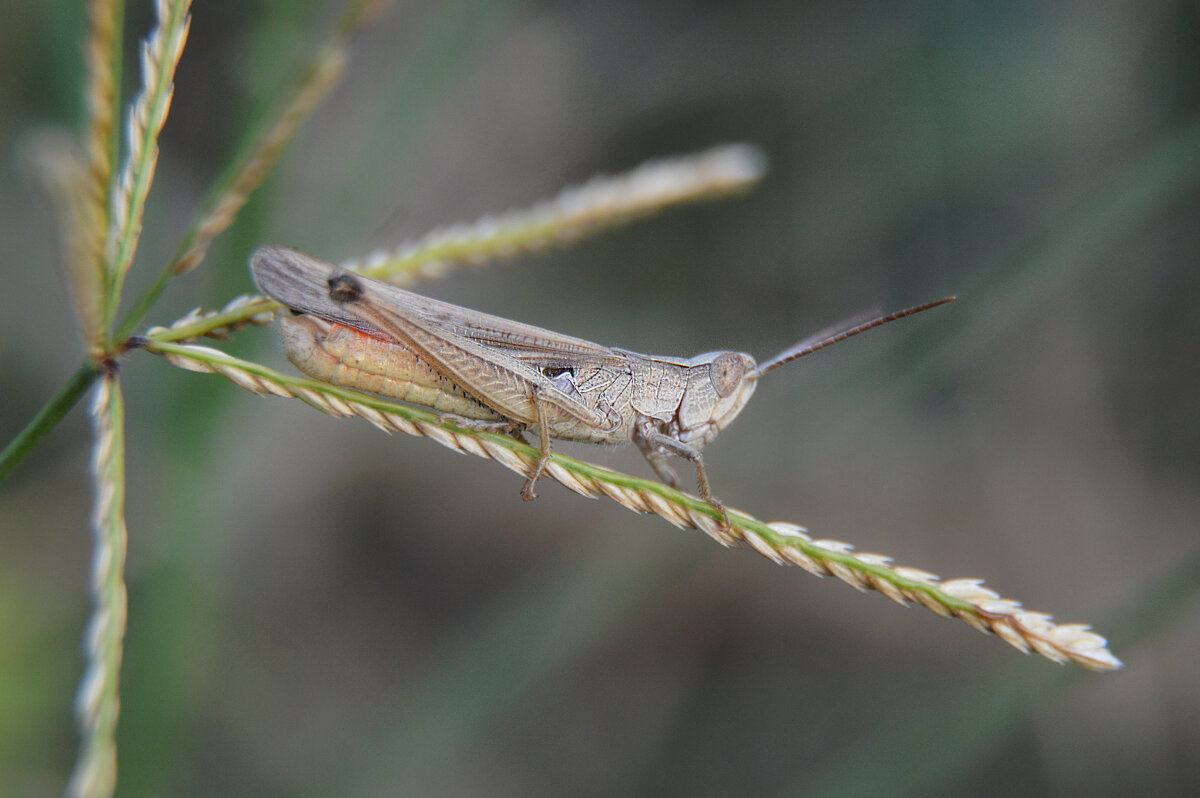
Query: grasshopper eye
[{"x": 726, "y": 372}]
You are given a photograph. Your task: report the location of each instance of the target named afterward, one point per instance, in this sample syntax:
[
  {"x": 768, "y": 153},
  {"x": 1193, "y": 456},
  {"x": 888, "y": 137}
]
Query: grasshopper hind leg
[{"x": 539, "y": 468}]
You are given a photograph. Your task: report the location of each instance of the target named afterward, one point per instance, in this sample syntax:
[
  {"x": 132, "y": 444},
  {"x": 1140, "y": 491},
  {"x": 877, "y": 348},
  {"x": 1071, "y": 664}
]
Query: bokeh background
[{"x": 319, "y": 609}]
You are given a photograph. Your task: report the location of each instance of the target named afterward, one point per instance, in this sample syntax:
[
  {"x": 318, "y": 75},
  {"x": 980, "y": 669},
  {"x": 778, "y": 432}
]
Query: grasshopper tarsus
[
  {"x": 527, "y": 492},
  {"x": 726, "y": 528}
]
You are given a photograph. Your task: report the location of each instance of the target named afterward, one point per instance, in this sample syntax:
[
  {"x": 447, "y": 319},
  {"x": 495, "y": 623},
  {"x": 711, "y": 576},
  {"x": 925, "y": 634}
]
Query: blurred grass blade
[
  {"x": 922, "y": 753},
  {"x": 60, "y": 169},
  {"x": 316, "y": 81},
  {"x": 1083, "y": 240}
]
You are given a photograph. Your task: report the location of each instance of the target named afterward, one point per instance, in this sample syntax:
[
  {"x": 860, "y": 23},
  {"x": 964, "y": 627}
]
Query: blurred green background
[{"x": 319, "y": 609}]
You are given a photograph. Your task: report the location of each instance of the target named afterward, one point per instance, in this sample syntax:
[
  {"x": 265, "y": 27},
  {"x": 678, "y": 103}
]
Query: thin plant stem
[{"x": 50, "y": 414}]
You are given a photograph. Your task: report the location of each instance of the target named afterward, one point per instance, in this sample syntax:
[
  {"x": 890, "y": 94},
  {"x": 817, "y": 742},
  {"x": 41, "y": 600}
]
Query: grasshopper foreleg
[{"x": 656, "y": 446}]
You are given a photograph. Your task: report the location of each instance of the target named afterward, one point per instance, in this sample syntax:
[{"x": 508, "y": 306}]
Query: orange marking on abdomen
[{"x": 336, "y": 326}]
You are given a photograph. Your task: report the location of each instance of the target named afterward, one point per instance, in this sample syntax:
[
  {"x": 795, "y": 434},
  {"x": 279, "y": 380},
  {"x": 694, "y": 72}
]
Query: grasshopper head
[{"x": 719, "y": 385}]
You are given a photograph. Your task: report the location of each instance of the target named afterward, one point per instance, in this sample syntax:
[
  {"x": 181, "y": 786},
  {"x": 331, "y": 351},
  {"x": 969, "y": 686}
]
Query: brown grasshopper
[{"x": 487, "y": 372}]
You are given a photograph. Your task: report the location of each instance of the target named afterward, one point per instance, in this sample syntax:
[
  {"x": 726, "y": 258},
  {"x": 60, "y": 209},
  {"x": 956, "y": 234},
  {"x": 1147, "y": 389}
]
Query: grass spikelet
[
  {"x": 237, "y": 313},
  {"x": 83, "y": 209},
  {"x": 600, "y": 203},
  {"x": 247, "y": 172},
  {"x": 98, "y": 702},
  {"x": 596, "y": 205},
  {"x": 966, "y": 599},
  {"x": 160, "y": 55},
  {"x": 100, "y": 97}
]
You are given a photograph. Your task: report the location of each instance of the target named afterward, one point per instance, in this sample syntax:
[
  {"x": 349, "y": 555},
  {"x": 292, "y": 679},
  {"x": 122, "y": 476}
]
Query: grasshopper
[{"x": 490, "y": 373}]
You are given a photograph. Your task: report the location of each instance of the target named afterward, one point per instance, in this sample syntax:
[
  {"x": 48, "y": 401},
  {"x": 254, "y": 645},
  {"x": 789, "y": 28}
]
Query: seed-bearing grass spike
[{"x": 488, "y": 372}]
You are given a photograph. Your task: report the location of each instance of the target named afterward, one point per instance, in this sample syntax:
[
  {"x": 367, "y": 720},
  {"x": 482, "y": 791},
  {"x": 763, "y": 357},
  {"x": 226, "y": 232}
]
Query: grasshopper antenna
[{"x": 834, "y": 335}]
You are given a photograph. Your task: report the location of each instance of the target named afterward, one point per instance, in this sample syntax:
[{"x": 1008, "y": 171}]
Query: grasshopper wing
[{"x": 495, "y": 360}]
